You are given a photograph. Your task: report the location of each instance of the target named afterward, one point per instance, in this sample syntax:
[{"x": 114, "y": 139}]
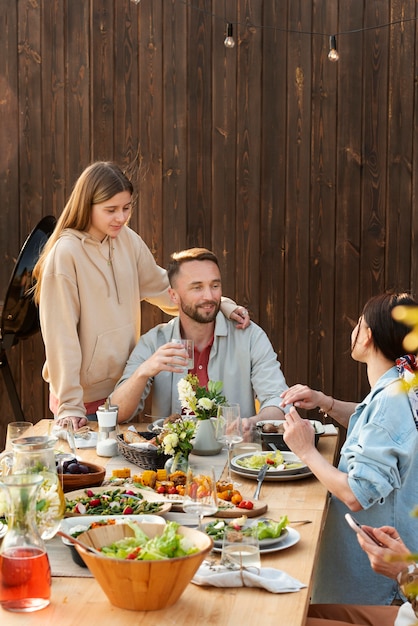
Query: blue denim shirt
[{"x": 380, "y": 456}]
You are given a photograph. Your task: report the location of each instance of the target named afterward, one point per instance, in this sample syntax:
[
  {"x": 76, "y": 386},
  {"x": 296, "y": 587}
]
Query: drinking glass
[
  {"x": 228, "y": 429},
  {"x": 188, "y": 345},
  {"x": 200, "y": 491},
  {"x": 16, "y": 430},
  {"x": 239, "y": 550}
]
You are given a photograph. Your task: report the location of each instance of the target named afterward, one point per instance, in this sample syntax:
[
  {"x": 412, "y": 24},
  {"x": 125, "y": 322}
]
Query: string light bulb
[
  {"x": 333, "y": 52},
  {"x": 229, "y": 41}
]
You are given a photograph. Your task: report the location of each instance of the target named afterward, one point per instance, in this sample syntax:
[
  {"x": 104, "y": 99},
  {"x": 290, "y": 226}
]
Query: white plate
[
  {"x": 288, "y": 457},
  {"x": 70, "y": 523},
  {"x": 158, "y": 423},
  {"x": 284, "y": 477},
  {"x": 290, "y": 540},
  {"x": 264, "y": 543}
]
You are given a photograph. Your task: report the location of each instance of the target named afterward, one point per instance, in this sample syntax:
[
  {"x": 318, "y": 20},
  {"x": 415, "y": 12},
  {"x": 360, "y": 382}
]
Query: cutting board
[{"x": 259, "y": 508}]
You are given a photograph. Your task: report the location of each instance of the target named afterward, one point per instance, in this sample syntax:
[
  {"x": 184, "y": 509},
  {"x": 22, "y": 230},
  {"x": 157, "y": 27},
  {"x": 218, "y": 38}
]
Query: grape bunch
[{"x": 72, "y": 466}]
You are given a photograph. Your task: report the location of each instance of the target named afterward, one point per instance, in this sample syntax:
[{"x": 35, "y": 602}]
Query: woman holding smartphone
[{"x": 377, "y": 472}]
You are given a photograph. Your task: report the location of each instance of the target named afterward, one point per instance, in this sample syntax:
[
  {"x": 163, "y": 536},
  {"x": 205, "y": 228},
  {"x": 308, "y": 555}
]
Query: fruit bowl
[
  {"x": 142, "y": 585},
  {"x": 94, "y": 478}
]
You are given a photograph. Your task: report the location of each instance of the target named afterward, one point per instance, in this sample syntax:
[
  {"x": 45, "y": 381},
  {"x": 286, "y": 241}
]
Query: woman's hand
[
  {"x": 301, "y": 396},
  {"x": 299, "y": 434},
  {"x": 388, "y": 559},
  {"x": 240, "y": 315},
  {"x": 78, "y": 422}
]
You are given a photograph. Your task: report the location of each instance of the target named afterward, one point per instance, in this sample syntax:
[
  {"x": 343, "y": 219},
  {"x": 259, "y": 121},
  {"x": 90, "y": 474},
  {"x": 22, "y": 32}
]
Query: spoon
[{"x": 79, "y": 543}]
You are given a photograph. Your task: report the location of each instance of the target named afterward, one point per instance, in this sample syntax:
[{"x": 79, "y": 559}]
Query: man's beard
[{"x": 194, "y": 314}]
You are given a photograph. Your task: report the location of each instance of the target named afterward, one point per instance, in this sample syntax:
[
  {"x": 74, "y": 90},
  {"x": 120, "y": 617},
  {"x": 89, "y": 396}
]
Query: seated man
[{"x": 244, "y": 361}]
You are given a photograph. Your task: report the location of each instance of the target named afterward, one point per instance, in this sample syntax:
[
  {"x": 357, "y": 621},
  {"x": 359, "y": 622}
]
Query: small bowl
[
  {"x": 95, "y": 477},
  {"x": 142, "y": 585},
  {"x": 274, "y": 440}
]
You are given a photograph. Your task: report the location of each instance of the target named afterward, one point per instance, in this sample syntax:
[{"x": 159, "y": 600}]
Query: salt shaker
[{"x": 107, "y": 417}]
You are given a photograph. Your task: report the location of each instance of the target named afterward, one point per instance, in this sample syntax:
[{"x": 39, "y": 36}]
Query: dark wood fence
[{"x": 298, "y": 172}]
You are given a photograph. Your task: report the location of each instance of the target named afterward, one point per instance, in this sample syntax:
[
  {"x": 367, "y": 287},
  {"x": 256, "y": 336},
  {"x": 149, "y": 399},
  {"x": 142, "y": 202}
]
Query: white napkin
[
  {"x": 269, "y": 578},
  {"x": 143, "y": 446},
  {"x": 88, "y": 440}
]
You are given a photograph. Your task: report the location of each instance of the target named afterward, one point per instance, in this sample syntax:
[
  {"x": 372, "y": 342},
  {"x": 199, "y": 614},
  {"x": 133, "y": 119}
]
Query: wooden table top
[{"x": 81, "y": 601}]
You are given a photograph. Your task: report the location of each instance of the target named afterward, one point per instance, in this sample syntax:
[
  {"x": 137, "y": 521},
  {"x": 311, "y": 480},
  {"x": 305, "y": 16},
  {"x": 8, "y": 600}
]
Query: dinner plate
[
  {"x": 264, "y": 543},
  {"x": 290, "y": 540},
  {"x": 304, "y": 473},
  {"x": 150, "y": 496},
  {"x": 288, "y": 457},
  {"x": 156, "y": 425}
]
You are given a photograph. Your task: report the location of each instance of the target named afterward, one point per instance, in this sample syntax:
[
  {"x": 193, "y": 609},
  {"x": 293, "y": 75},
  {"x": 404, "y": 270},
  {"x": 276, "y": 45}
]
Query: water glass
[
  {"x": 200, "y": 492},
  {"x": 16, "y": 430},
  {"x": 188, "y": 345},
  {"x": 239, "y": 550}
]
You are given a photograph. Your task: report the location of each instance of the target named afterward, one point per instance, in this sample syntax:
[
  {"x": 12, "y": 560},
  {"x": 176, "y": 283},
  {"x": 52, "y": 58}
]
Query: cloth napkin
[{"x": 268, "y": 578}]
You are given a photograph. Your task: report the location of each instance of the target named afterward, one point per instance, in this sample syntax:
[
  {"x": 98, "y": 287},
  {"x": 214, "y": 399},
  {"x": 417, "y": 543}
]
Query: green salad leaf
[{"x": 140, "y": 547}]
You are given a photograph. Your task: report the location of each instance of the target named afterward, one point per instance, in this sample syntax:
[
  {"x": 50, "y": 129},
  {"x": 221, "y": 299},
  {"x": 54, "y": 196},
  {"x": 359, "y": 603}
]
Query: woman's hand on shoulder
[{"x": 241, "y": 316}]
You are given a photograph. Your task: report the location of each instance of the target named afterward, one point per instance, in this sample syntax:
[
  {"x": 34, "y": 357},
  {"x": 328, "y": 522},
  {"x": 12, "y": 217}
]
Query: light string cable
[{"x": 332, "y": 37}]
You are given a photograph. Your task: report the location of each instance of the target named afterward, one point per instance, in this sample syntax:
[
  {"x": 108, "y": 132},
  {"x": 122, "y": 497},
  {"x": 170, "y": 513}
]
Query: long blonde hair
[{"x": 97, "y": 183}]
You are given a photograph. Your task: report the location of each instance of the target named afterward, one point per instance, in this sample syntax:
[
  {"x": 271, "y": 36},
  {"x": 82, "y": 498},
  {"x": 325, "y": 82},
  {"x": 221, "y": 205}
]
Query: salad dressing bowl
[{"x": 146, "y": 585}]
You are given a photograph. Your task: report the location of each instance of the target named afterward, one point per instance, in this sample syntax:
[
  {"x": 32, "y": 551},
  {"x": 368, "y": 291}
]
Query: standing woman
[
  {"x": 378, "y": 468},
  {"x": 91, "y": 277}
]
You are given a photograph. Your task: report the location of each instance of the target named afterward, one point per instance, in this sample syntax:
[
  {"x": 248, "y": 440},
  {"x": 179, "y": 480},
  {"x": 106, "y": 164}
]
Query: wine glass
[
  {"x": 228, "y": 429},
  {"x": 200, "y": 492}
]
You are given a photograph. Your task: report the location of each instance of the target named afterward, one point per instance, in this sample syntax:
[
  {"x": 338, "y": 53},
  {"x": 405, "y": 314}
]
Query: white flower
[
  {"x": 170, "y": 443},
  {"x": 205, "y": 403},
  {"x": 187, "y": 394}
]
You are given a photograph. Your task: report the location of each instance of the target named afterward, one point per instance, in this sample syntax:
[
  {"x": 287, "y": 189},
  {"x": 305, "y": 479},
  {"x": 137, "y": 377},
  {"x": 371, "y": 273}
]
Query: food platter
[
  {"x": 292, "y": 538},
  {"x": 273, "y": 473},
  {"x": 114, "y": 492}
]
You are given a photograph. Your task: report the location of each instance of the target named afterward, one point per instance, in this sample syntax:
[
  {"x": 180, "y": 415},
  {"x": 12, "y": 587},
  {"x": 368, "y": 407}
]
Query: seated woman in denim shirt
[{"x": 378, "y": 468}]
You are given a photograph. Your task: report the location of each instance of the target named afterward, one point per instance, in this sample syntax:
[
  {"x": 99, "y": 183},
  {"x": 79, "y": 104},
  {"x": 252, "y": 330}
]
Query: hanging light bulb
[
  {"x": 229, "y": 41},
  {"x": 333, "y": 52},
  {"x": 136, "y": 1}
]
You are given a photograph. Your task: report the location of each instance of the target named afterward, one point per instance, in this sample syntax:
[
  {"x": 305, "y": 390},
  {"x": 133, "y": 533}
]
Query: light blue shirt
[
  {"x": 244, "y": 360},
  {"x": 380, "y": 456}
]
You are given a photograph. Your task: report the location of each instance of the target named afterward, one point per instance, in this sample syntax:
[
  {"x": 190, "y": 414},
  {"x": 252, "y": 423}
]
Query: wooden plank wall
[{"x": 299, "y": 173}]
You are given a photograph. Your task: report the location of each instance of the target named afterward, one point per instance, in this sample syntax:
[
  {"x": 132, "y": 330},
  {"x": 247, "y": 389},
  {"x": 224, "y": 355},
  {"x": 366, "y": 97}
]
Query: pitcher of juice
[
  {"x": 35, "y": 455},
  {"x": 25, "y": 575}
]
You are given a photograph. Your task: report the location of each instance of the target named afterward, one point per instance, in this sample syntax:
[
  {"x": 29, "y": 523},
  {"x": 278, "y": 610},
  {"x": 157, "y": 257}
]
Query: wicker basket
[{"x": 146, "y": 459}]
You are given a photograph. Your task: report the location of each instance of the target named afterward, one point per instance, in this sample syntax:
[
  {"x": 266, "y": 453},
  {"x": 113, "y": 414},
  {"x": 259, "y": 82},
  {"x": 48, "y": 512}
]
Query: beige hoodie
[{"x": 90, "y": 312}]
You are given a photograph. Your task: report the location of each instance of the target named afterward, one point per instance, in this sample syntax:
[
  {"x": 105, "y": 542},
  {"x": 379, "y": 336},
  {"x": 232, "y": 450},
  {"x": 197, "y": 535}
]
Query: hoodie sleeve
[
  {"x": 59, "y": 311},
  {"x": 153, "y": 282}
]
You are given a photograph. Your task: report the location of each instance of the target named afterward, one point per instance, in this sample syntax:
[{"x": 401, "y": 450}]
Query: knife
[{"x": 260, "y": 478}]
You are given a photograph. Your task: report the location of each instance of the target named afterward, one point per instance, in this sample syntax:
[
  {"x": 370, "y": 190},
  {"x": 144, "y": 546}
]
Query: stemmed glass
[
  {"x": 200, "y": 492},
  {"x": 228, "y": 429}
]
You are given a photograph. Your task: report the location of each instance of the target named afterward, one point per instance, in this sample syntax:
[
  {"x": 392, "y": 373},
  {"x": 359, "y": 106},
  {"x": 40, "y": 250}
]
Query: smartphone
[{"x": 358, "y": 528}]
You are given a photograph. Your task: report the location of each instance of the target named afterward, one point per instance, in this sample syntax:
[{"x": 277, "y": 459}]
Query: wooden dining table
[{"x": 80, "y": 601}]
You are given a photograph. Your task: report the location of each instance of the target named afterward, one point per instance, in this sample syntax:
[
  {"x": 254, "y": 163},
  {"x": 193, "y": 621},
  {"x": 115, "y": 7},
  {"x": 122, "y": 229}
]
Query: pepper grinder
[{"x": 107, "y": 417}]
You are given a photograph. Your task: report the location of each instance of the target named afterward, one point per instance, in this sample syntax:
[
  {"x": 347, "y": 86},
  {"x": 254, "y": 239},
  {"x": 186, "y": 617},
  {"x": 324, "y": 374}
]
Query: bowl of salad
[{"x": 144, "y": 567}]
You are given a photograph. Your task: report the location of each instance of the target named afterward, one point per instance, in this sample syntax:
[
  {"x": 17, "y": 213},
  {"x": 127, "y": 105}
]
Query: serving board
[{"x": 259, "y": 508}]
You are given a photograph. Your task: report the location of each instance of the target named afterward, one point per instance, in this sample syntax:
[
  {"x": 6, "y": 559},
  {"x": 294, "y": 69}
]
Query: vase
[
  {"x": 25, "y": 575},
  {"x": 177, "y": 463},
  {"x": 205, "y": 442}
]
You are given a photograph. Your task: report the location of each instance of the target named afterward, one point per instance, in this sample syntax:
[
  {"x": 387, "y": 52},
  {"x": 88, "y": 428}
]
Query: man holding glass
[{"x": 245, "y": 362}]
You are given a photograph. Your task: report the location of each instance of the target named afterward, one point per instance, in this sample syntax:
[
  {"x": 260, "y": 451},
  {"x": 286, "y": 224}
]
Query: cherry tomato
[
  {"x": 94, "y": 502},
  {"x": 161, "y": 489},
  {"x": 246, "y": 504},
  {"x": 269, "y": 461},
  {"x": 128, "y": 510},
  {"x": 172, "y": 490}
]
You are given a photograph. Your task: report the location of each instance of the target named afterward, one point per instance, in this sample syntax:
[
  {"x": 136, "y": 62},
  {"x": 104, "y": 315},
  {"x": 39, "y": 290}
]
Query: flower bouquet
[{"x": 199, "y": 401}]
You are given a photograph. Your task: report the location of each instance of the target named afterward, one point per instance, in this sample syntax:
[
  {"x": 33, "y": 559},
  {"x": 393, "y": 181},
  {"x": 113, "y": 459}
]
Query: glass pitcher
[
  {"x": 25, "y": 574},
  {"x": 35, "y": 455}
]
